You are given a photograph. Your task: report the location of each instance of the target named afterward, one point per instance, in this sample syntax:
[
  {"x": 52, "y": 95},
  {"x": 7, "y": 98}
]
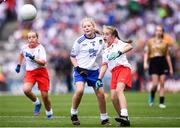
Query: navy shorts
[
  {"x": 158, "y": 65},
  {"x": 92, "y": 77}
]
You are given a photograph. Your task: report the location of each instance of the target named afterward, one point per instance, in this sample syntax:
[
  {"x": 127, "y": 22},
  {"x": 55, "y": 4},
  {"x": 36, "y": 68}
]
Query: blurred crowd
[{"x": 58, "y": 25}]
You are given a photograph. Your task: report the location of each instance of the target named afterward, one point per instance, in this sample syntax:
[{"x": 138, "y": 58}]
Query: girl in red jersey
[
  {"x": 115, "y": 59},
  {"x": 35, "y": 59}
]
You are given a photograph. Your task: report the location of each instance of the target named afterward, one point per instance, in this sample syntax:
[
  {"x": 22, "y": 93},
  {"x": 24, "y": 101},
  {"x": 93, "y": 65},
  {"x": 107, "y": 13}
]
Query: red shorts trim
[
  {"x": 40, "y": 76},
  {"x": 121, "y": 74}
]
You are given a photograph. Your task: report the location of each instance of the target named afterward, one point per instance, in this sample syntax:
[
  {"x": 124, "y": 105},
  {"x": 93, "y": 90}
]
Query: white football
[{"x": 28, "y": 12}]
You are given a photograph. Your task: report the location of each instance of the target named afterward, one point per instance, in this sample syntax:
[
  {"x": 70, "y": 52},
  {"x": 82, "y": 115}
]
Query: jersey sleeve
[
  {"x": 22, "y": 50},
  {"x": 75, "y": 49},
  {"x": 42, "y": 54},
  {"x": 168, "y": 39},
  {"x": 123, "y": 44},
  {"x": 104, "y": 59},
  {"x": 119, "y": 46}
]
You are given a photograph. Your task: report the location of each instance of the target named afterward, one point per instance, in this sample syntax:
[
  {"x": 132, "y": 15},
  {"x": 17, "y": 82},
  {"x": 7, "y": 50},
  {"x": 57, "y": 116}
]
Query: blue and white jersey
[{"x": 88, "y": 51}]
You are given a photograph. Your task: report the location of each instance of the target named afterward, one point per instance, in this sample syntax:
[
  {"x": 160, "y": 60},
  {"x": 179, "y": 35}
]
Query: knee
[
  {"x": 79, "y": 93},
  {"x": 26, "y": 90},
  {"x": 119, "y": 90},
  {"x": 101, "y": 95},
  {"x": 161, "y": 85},
  {"x": 155, "y": 83},
  {"x": 154, "y": 87},
  {"x": 45, "y": 96},
  {"x": 113, "y": 97}
]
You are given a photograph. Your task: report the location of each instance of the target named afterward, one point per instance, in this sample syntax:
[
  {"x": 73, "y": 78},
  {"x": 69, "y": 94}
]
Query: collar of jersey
[
  {"x": 115, "y": 41},
  {"x": 34, "y": 46},
  {"x": 88, "y": 37}
]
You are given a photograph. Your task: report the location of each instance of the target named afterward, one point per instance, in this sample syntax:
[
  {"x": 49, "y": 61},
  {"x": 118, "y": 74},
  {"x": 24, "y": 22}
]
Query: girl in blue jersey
[{"x": 86, "y": 52}]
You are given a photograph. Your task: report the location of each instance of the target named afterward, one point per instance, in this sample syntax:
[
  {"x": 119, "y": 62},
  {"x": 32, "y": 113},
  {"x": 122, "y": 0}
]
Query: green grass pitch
[{"x": 16, "y": 111}]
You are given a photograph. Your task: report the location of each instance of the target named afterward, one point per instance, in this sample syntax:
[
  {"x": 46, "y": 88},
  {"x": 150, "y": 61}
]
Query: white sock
[
  {"x": 37, "y": 101},
  {"x": 104, "y": 116},
  {"x": 124, "y": 112},
  {"x": 49, "y": 112},
  {"x": 74, "y": 111}
]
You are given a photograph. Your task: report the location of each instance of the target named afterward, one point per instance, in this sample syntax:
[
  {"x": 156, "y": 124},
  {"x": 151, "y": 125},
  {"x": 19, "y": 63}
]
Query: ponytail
[
  {"x": 98, "y": 32},
  {"x": 126, "y": 41},
  {"x": 114, "y": 32}
]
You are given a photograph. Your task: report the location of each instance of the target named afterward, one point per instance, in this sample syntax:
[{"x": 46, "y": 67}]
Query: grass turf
[{"x": 17, "y": 111}]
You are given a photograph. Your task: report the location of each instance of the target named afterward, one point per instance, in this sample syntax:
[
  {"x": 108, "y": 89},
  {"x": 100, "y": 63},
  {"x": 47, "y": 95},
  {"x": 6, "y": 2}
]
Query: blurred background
[{"x": 58, "y": 25}]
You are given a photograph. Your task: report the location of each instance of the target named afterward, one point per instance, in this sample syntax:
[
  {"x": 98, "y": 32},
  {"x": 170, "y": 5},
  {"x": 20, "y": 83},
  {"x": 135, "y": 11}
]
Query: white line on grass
[{"x": 96, "y": 117}]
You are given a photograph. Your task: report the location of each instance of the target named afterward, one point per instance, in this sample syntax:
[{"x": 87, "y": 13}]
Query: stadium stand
[{"x": 58, "y": 25}]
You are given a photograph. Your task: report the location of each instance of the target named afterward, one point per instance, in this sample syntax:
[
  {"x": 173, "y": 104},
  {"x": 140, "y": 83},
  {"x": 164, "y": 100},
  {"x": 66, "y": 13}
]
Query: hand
[
  {"x": 18, "y": 67},
  {"x": 81, "y": 71},
  {"x": 30, "y": 56},
  {"x": 114, "y": 55},
  {"x": 98, "y": 84}
]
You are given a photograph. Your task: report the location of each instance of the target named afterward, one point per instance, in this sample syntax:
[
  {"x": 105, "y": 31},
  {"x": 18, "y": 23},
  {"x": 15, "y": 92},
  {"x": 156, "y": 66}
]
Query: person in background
[
  {"x": 115, "y": 59},
  {"x": 2, "y": 1},
  {"x": 157, "y": 60},
  {"x": 84, "y": 56},
  {"x": 35, "y": 59}
]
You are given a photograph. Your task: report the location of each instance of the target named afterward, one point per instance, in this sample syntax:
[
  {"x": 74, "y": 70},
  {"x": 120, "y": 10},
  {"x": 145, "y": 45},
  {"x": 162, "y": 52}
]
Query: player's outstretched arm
[
  {"x": 127, "y": 48},
  {"x": 117, "y": 54},
  {"x": 20, "y": 60}
]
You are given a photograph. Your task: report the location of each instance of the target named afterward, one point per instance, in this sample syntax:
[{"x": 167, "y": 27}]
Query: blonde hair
[
  {"x": 91, "y": 20},
  {"x": 33, "y": 32},
  {"x": 114, "y": 32}
]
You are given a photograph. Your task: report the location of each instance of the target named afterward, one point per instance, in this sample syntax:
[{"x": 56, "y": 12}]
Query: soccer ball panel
[{"x": 28, "y": 12}]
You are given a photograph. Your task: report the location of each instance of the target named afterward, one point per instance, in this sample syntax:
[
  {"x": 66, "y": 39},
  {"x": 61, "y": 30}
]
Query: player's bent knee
[
  {"x": 45, "y": 97},
  {"x": 113, "y": 97},
  {"x": 44, "y": 94},
  {"x": 120, "y": 90},
  {"x": 26, "y": 90}
]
